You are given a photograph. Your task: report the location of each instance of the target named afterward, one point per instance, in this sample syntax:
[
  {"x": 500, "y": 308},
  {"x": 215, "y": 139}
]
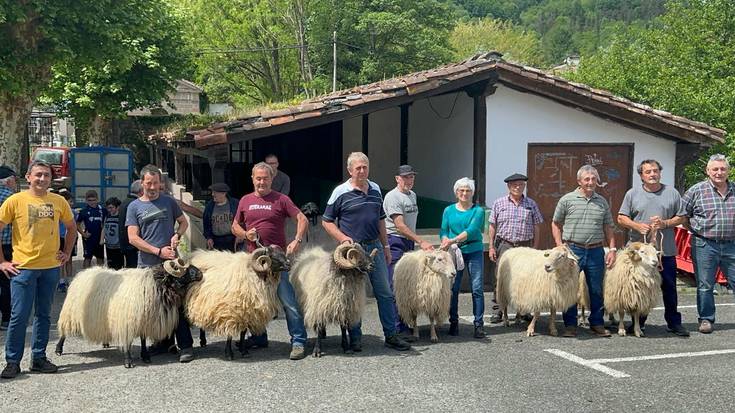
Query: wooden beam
[
  {"x": 404, "y": 134},
  {"x": 365, "y": 132},
  {"x": 480, "y": 146}
]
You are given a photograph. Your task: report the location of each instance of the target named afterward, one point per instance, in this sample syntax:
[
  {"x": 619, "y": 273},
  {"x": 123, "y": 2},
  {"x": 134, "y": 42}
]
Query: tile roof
[{"x": 478, "y": 68}]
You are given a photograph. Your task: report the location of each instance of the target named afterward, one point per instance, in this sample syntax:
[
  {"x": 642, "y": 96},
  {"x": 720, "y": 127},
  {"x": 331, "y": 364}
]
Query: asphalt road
[{"x": 508, "y": 372}]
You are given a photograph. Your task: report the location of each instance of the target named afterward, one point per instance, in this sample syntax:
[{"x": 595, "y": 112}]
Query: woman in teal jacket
[{"x": 462, "y": 225}]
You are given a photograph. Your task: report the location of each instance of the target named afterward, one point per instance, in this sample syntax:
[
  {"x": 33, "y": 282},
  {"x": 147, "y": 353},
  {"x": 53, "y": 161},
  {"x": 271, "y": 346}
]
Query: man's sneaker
[
  {"x": 453, "y": 328},
  {"x": 479, "y": 332},
  {"x": 297, "y": 353},
  {"x": 4, "y": 325},
  {"x": 569, "y": 331},
  {"x": 407, "y": 335},
  {"x": 396, "y": 343},
  {"x": 10, "y": 371},
  {"x": 187, "y": 355},
  {"x": 705, "y": 327},
  {"x": 600, "y": 331},
  {"x": 62, "y": 287},
  {"x": 43, "y": 365},
  {"x": 679, "y": 330}
]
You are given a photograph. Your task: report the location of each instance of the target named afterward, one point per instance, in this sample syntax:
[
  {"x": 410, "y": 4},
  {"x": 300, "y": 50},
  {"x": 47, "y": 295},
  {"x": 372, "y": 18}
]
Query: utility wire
[{"x": 258, "y": 49}]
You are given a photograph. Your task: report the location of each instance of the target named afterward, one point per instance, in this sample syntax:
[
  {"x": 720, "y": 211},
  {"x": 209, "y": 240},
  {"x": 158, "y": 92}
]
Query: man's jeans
[
  {"x": 398, "y": 246},
  {"x": 668, "y": 290},
  {"x": 381, "y": 291},
  {"x": 707, "y": 255},
  {"x": 592, "y": 262},
  {"x": 26, "y": 288},
  {"x": 474, "y": 265},
  {"x": 294, "y": 318}
]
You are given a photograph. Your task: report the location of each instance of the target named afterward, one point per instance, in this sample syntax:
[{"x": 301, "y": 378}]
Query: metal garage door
[{"x": 552, "y": 172}]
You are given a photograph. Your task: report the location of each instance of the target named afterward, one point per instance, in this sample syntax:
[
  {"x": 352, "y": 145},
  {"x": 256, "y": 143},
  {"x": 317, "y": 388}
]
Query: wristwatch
[
  {"x": 299, "y": 240},
  {"x": 613, "y": 249}
]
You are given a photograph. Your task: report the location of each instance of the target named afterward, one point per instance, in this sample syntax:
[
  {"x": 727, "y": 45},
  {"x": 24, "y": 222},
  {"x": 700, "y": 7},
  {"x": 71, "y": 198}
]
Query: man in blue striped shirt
[
  {"x": 8, "y": 185},
  {"x": 710, "y": 207},
  {"x": 355, "y": 213}
]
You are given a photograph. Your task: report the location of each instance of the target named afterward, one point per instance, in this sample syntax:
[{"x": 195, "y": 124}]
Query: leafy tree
[
  {"x": 138, "y": 73},
  {"x": 37, "y": 35},
  {"x": 246, "y": 49},
  {"x": 685, "y": 64},
  {"x": 516, "y": 44},
  {"x": 381, "y": 38}
]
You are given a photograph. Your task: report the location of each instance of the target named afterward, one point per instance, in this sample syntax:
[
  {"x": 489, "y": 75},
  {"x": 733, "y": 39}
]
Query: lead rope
[{"x": 658, "y": 247}]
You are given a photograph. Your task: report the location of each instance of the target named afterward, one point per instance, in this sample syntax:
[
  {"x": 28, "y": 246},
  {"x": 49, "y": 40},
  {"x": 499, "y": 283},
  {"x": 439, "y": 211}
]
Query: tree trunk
[
  {"x": 98, "y": 131},
  {"x": 14, "y": 114}
]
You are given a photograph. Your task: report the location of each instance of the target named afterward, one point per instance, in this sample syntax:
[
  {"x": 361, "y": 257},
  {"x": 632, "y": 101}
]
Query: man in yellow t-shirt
[{"x": 35, "y": 266}]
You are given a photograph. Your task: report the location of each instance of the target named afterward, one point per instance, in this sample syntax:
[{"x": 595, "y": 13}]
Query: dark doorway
[{"x": 311, "y": 157}]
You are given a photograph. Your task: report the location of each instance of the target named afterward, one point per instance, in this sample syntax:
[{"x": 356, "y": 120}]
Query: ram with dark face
[
  {"x": 238, "y": 292},
  {"x": 330, "y": 288},
  {"x": 115, "y": 307}
]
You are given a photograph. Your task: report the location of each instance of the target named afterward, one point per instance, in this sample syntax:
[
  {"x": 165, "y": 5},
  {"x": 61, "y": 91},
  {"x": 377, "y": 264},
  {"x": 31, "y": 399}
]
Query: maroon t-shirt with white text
[{"x": 267, "y": 215}]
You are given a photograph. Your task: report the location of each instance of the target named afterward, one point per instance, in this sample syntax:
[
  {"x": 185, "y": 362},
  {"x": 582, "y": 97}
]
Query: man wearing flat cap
[
  {"x": 8, "y": 184},
  {"x": 515, "y": 221},
  {"x": 401, "y": 214},
  {"x": 217, "y": 220}
]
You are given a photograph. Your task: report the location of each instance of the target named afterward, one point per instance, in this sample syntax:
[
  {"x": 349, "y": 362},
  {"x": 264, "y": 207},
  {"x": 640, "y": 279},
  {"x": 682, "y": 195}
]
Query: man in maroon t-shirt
[{"x": 262, "y": 215}]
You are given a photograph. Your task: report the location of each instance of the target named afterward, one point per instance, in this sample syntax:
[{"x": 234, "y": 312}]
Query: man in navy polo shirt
[{"x": 357, "y": 208}]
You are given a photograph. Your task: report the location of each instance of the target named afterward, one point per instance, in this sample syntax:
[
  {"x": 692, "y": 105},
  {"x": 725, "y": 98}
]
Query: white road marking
[
  {"x": 598, "y": 364},
  {"x": 664, "y": 356},
  {"x": 587, "y": 363}
]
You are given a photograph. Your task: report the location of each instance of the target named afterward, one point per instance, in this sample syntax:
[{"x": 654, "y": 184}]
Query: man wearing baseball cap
[
  {"x": 401, "y": 214},
  {"x": 8, "y": 185}
]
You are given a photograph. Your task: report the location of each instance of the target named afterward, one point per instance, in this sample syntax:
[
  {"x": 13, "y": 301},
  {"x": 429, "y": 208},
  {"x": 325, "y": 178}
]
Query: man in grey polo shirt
[
  {"x": 582, "y": 221},
  {"x": 401, "y": 214},
  {"x": 656, "y": 207}
]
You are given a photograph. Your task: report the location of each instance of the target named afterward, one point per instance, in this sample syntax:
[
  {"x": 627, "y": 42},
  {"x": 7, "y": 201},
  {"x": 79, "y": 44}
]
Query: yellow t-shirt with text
[{"x": 35, "y": 222}]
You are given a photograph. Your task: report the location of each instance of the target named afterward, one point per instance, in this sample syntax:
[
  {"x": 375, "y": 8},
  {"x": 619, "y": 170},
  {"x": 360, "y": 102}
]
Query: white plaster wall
[
  {"x": 440, "y": 149},
  {"x": 515, "y": 119}
]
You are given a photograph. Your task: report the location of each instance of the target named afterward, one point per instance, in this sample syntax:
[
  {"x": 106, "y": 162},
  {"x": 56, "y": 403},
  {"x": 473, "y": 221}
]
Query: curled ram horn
[
  {"x": 261, "y": 260},
  {"x": 343, "y": 256},
  {"x": 175, "y": 267}
]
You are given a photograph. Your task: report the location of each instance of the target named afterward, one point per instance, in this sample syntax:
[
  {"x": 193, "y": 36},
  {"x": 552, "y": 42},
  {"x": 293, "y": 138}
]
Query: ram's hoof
[
  {"x": 146, "y": 359},
  {"x": 621, "y": 332},
  {"x": 59, "y": 351},
  {"x": 105, "y": 345},
  {"x": 129, "y": 364},
  {"x": 435, "y": 340},
  {"x": 317, "y": 354},
  {"x": 530, "y": 333},
  {"x": 202, "y": 343}
]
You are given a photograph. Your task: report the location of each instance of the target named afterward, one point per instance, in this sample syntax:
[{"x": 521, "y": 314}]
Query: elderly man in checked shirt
[
  {"x": 515, "y": 221},
  {"x": 710, "y": 207}
]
